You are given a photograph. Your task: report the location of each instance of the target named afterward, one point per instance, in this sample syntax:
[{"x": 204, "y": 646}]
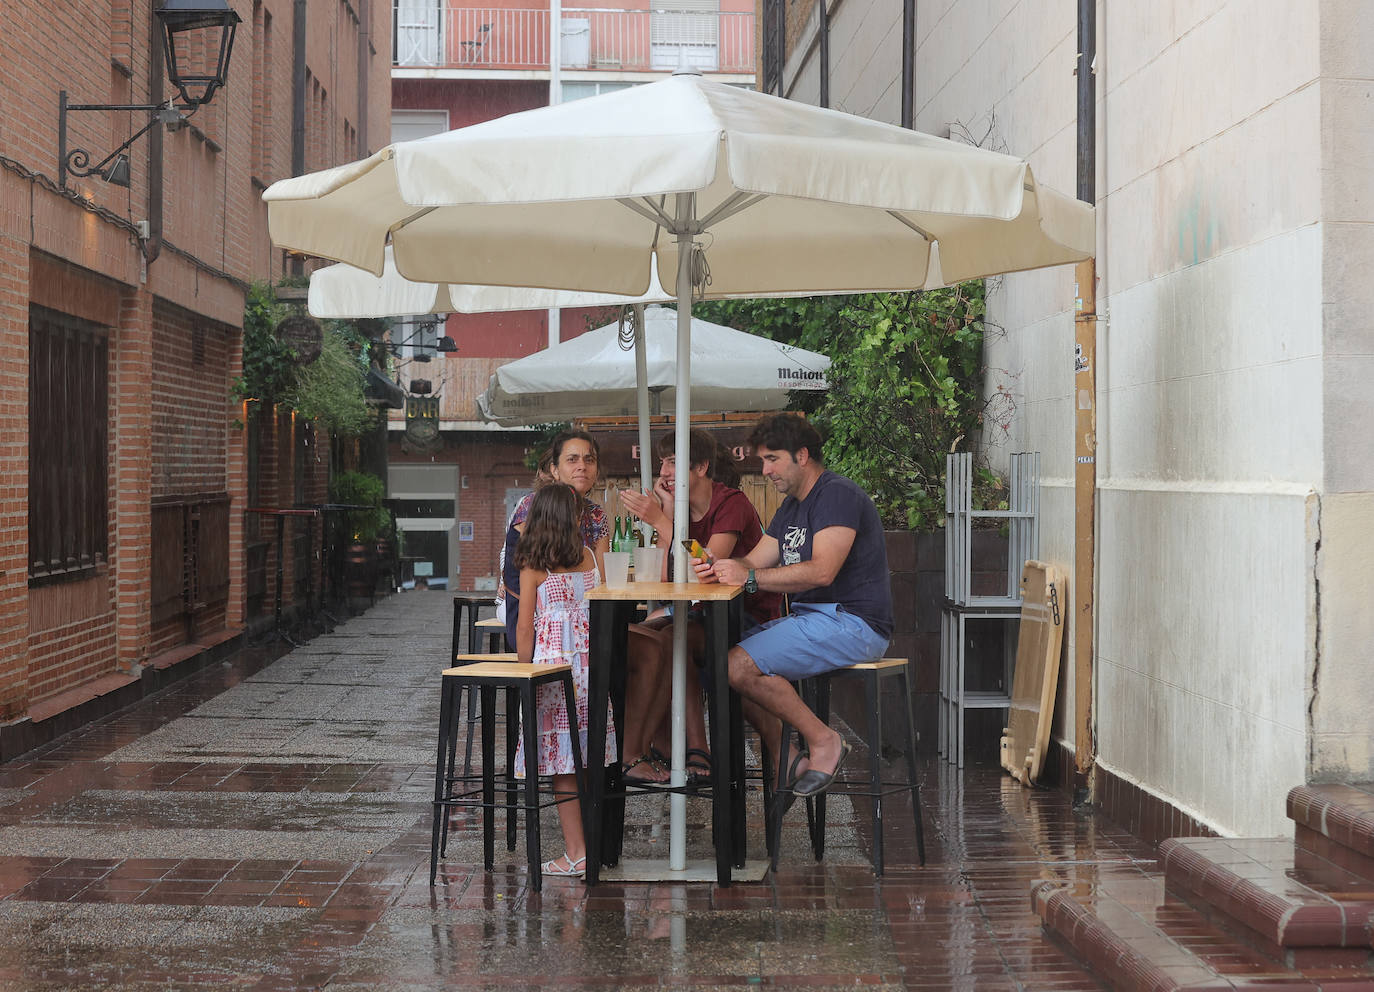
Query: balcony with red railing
[{"x": 428, "y": 35}]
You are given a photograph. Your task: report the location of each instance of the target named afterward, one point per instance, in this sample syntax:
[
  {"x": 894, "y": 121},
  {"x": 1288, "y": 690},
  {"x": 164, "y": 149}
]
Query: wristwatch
[{"x": 751, "y": 584}]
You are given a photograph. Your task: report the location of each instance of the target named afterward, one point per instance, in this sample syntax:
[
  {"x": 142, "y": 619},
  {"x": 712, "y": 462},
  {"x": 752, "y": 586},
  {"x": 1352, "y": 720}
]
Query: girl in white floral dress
[{"x": 553, "y": 560}]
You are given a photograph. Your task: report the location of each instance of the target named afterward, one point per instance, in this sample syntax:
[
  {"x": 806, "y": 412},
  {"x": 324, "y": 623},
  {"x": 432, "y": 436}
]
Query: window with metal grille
[{"x": 68, "y": 423}]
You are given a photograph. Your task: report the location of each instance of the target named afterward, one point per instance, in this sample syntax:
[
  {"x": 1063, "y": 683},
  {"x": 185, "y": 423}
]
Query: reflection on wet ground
[{"x": 269, "y": 829}]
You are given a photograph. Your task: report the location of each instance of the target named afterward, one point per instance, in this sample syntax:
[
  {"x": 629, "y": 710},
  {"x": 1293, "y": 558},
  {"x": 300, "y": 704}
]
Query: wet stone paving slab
[{"x": 265, "y": 825}]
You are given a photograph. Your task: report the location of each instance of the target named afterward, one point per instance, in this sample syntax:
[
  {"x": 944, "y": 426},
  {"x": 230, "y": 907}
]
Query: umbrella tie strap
[
  {"x": 629, "y": 324},
  {"x": 701, "y": 272}
]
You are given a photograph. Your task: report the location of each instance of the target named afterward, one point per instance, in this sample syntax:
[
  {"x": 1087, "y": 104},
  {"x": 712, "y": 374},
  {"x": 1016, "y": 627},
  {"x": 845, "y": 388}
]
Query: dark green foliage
[
  {"x": 268, "y": 368},
  {"x": 365, "y": 490},
  {"x": 905, "y": 385},
  {"x": 328, "y": 390}
]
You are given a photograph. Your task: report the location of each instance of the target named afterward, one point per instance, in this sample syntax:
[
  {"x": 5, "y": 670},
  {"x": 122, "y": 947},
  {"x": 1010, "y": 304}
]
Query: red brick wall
[
  {"x": 78, "y": 252},
  {"x": 14, "y": 454}
]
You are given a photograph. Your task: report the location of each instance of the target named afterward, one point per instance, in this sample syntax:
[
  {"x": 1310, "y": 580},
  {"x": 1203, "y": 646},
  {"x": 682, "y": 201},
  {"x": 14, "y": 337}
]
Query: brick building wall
[{"x": 169, "y": 309}]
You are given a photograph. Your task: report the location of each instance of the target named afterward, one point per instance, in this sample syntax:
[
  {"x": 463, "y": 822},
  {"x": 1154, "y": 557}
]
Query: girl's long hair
[{"x": 552, "y": 539}]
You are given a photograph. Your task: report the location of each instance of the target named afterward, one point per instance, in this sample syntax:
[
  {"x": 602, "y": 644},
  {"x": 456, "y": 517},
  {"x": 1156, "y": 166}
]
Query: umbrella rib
[
  {"x": 651, "y": 212},
  {"x": 407, "y": 221},
  {"x": 730, "y": 207},
  {"x": 902, "y": 220}
]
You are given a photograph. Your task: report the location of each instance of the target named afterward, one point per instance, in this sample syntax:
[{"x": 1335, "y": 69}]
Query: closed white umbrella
[
  {"x": 737, "y": 192},
  {"x": 593, "y": 375},
  {"x": 346, "y": 292}
]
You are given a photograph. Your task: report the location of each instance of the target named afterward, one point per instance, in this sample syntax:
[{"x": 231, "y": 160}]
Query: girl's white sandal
[{"x": 565, "y": 867}]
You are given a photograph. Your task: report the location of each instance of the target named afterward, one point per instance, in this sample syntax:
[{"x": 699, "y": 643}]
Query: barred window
[{"x": 68, "y": 397}]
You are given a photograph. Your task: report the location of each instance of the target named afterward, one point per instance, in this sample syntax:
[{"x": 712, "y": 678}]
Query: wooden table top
[{"x": 709, "y": 592}]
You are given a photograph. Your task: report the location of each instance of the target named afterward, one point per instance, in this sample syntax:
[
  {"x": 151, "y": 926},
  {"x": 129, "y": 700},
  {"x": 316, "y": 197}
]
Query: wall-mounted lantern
[{"x": 197, "y": 40}]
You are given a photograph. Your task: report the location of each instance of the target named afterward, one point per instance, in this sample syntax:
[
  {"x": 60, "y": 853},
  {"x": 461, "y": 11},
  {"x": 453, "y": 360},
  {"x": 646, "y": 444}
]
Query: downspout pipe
[
  {"x": 1086, "y": 448},
  {"x": 298, "y": 89},
  {"x": 364, "y": 42},
  {"x": 157, "y": 68},
  {"x": 298, "y": 105},
  {"x": 908, "y": 63},
  {"x": 825, "y": 53},
  {"x": 1087, "y": 100}
]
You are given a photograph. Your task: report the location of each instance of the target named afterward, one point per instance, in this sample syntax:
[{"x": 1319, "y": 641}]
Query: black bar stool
[
  {"x": 521, "y": 683},
  {"x": 474, "y": 601},
  {"x": 816, "y": 694}
]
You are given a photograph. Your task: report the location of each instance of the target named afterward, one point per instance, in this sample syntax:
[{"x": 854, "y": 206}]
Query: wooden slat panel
[
  {"x": 213, "y": 562},
  {"x": 1036, "y": 679},
  {"x": 168, "y": 562}
]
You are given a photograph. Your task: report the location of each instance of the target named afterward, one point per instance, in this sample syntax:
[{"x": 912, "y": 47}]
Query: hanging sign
[
  {"x": 304, "y": 335},
  {"x": 422, "y": 422}
]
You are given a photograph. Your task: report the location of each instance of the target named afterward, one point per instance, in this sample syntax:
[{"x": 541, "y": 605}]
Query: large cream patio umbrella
[{"x": 739, "y": 193}]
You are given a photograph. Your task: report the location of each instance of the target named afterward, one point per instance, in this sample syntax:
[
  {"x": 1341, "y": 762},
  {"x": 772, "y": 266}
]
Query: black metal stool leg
[
  {"x": 488, "y": 775},
  {"x": 782, "y": 798},
  {"x": 575, "y": 739},
  {"x": 911, "y": 764},
  {"x": 440, "y": 779},
  {"x": 512, "y": 789},
  {"x": 472, "y": 703},
  {"x": 528, "y": 721},
  {"x": 451, "y": 769},
  {"x": 873, "y": 700},
  {"x": 819, "y": 690}
]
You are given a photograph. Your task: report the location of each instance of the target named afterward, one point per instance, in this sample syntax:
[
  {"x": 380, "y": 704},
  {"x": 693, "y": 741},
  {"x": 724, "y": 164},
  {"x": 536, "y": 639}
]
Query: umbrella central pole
[{"x": 677, "y": 808}]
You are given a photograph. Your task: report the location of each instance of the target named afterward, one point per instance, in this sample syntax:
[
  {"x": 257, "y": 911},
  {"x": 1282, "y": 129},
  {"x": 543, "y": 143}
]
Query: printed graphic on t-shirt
[{"x": 792, "y": 543}]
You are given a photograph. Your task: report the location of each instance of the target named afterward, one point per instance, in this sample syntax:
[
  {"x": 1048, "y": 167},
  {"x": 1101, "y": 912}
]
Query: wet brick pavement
[{"x": 268, "y": 828}]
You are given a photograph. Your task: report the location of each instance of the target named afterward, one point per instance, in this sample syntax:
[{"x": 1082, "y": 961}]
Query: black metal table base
[{"x": 604, "y": 810}]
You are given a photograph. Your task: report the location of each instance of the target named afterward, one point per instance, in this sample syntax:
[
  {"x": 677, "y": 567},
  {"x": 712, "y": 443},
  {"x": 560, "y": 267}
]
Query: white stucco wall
[
  {"x": 1342, "y": 708},
  {"x": 1235, "y": 525}
]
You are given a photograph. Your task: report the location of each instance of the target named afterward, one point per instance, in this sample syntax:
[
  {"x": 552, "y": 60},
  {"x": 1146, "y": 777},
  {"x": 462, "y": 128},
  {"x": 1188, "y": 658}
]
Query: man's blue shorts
[{"x": 815, "y": 638}]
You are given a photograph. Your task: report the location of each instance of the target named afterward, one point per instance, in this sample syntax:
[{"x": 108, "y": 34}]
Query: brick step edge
[
  {"x": 1116, "y": 958},
  {"x": 1335, "y": 822},
  {"x": 1305, "y": 918}
]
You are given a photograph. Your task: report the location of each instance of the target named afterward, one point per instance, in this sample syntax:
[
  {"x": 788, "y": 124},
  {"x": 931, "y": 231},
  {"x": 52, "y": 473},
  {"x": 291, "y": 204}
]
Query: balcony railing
[{"x": 430, "y": 35}]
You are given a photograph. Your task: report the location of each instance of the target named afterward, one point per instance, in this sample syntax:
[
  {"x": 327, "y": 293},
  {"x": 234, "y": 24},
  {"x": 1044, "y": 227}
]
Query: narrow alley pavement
[{"x": 268, "y": 828}]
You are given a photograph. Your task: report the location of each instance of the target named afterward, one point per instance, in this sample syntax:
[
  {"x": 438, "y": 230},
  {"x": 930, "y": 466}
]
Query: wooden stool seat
[
  {"x": 488, "y": 670},
  {"x": 495, "y": 630},
  {"x": 471, "y": 659},
  {"x": 815, "y": 693},
  {"x": 520, "y": 682}
]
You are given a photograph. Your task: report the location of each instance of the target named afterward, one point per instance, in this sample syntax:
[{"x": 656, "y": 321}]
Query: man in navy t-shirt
[{"x": 825, "y": 549}]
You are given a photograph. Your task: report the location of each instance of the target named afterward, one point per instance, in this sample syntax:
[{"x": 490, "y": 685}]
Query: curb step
[
  {"x": 1304, "y": 910},
  {"x": 1335, "y": 822},
  {"x": 1134, "y": 935}
]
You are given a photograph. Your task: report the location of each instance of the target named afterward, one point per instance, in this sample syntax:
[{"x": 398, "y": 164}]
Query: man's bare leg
[{"x": 777, "y": 699}]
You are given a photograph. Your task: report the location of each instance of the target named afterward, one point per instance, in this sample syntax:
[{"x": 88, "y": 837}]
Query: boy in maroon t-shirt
[{"x": 726, "y": 524}]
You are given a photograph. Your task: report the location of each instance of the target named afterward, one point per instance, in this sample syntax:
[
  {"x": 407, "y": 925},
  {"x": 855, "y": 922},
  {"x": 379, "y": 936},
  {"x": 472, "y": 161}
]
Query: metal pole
[
  {"x": 682, "y": 413},
  {"x": 646, "y": 457},
  {"x": 555, "y": 98},
  {"x": 555, "y": 52}
]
